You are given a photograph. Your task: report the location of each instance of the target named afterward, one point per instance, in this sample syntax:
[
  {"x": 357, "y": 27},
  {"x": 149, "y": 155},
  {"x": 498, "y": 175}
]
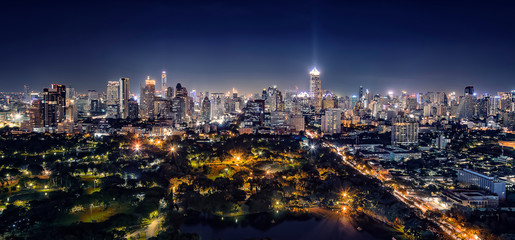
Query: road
[
  {"x": 452, "y": 230},
  {"x": 151, "y": 230}
]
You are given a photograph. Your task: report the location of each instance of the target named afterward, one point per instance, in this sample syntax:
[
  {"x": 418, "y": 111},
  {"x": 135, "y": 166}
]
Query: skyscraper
[
  {"x": 469, "y": 90},
  {"x": 113, "y": 93},
  {"x": 26, "y": 93},
  {"x": 113, "y": 99},
  {"x": 467, "y": 103},
  {"x": 315, "y": 89},
  {"x": 54, "y": 105},
  {"x": 205, "y": 111},
  {"x": 169, "y": 93},
  {"x": 124, "y": 97},
  {"x": 148, "y": 93},
  {"x": 163, "y": 82}
]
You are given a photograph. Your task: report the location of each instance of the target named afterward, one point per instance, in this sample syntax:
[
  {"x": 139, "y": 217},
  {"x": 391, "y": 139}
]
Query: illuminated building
[
  {"x": 163, "y": 82},
  {"x": 36, "y": 113},
  {"x": 148, "y": 93},
  {"x": 169, "y": 93},
  {"x": 315, "y": 89},
  {"x": 405, "y": 131},
  {"x": 124, "y": 97},
  {"x": 331, "y": 121},
  {"x": 113, "y": 99},
  {"x": 132, "y": 109},
  {"x": 490, "y": 184},
  {"x": 54, "y": 100},
  {"x": 205, "y": 110},
  {"x": 180, "y": 104}
]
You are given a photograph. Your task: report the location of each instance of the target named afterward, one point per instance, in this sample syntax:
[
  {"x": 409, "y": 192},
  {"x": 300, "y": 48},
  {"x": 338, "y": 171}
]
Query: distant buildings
[{"x": 490, "y": 184}]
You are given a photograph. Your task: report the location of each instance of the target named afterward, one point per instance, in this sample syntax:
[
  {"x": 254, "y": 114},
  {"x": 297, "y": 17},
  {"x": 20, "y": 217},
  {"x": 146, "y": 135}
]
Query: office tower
[
  {"x": 494, "y": 104},
  {"x": 180, "y": 104},
  {"x": 405, "y": 131},
  {"x": 328, "y": 101},
  {"x": 71, "y": 107},
  {"x": 148, "y": 93},
  {"x": 274, "y": 100},
  {"x": 124, "y": 97},
  {"x": 162, "y": 108},
  {"x": 297, "y": 122},
  {"x": 315, "y": 89},
  {"x": 54, "y": 105},
  {"x": 37, "y": 113},
  {"x": 169, "y": 93},
  {"x": 331, "y": 121},
  {"x": 113, "y": 99},
  {"x": 180, "y": 91},
  {"x": 467, "y": 103},
  {"x": 163, "y": 82},
  {"x": 253, "y": 114},
  {"x": 490, "y": 184},
  {"x": 132, "y": 109},
  {"x": 92, "y": 95},
  {"x": 26, "y": 93},
  {"x": 205, "y": 110},
  {"x": 361, "y": 96},
  {"x": 217, "y": 105},
  {"x": 469, "y": 90},
  {"x": 113, "y": 93}
]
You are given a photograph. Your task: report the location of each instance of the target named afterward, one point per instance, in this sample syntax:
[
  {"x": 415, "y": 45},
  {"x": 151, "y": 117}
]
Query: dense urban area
[{"x": 110, "y": 164}]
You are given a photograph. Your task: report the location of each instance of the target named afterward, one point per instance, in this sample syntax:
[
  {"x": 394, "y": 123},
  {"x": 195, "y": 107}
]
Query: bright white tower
[{"x": 315, "y": 89}]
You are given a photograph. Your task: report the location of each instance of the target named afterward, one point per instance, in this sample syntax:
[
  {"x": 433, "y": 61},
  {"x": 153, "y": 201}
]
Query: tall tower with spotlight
[
  {"x": 315, "y": 89},
  {"x": 163, "y": 83}
]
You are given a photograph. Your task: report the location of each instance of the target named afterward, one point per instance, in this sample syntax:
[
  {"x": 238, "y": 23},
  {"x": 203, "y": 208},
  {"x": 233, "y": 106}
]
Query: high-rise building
[
  {"x": 405, "y": 131},
  {"x": 132, "y": 109},
  {"x": 37, "y": 113},
  {"x": 163, "y": 82},
  {"x": 124, "y": 97},
  {"x": 315, "y": 89},
  {"x": 467, "y": 104},
  {"x": 205, "y": 110},
  {"x": 113, "y": 93},
  {"x": 113, "y": 99},
  {"x": 54, "y": 105},
  {"x": 331, "y": 121},
  {"x": 253, "y": 114},
  {"x": 26, "y": 93},
  {"x": 469, "y": 90},
  {"x": 169, "y": 93},
  {"x": 148, "y": 93}
]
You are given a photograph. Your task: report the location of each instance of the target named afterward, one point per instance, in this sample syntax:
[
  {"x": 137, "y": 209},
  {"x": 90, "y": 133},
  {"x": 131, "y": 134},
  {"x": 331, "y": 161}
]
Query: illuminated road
[{"x": 451, "y": 230}]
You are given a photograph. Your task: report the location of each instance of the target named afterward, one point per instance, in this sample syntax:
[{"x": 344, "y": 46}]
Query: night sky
[{"x": 411, "y": 45}]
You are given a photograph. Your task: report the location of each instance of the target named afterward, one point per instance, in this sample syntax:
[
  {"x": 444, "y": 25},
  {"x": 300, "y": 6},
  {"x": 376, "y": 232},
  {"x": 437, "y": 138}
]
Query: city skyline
[{"x": 221, "y": 45}]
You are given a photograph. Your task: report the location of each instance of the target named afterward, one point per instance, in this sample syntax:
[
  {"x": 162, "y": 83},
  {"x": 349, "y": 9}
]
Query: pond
[{"x": 269, "y": 226}]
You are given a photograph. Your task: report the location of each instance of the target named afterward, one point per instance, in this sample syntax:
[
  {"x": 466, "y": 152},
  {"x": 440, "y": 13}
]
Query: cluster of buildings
[{"x": 270, "y": 111}]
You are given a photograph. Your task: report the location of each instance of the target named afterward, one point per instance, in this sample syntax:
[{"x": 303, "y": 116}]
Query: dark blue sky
[{"x": 216, "y": 45}]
